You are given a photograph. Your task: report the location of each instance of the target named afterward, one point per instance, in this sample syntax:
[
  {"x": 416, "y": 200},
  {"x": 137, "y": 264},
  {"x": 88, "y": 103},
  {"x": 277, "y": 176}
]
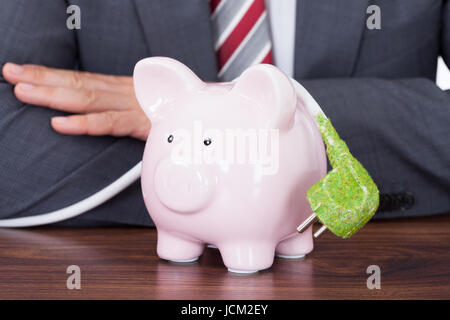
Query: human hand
[{"x": 103, "y": 104}]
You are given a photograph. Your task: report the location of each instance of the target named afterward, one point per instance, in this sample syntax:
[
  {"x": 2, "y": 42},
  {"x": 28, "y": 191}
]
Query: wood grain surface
[{"x": 121, "y": 263}]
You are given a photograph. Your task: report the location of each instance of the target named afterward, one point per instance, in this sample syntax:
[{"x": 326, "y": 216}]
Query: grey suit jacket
[{"x": 377, "y": 86}]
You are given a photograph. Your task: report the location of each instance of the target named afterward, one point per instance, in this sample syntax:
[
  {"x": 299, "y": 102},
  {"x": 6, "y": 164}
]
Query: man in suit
[{"x": 377, "y": 86}]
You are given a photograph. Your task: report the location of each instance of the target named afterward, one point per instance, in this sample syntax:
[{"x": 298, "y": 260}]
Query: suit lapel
[
  {"x": 328, "y": 34},
  {"x": 180, "y": 29}
]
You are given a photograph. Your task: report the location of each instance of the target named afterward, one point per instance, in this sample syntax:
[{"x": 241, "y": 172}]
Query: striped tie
[{"x": 242, "y": 35}]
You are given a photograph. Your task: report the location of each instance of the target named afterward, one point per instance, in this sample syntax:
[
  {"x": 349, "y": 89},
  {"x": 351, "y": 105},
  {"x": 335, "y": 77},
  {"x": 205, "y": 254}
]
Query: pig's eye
[
  {"x": 170, "y": 139},
  {"x": 207, "y": 141}
]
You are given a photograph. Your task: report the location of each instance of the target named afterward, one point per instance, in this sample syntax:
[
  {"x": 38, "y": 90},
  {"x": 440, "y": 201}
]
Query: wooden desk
[{"x": 120, "y": 263}]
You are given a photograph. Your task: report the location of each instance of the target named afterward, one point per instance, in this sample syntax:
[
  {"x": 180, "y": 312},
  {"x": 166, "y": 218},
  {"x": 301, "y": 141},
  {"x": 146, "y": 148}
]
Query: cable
[
  {"x": 78, "y": 208},
  {"x": 308, "y": 101}
]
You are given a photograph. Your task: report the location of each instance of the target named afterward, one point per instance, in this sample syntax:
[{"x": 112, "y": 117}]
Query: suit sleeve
[
  {"x": 41, "y": 170},
  {"x": 400, "y": 131},
  {"x": 32, "y": 32}
]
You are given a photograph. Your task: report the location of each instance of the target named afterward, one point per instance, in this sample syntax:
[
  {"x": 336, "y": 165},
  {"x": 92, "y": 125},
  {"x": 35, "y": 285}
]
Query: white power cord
[
  {"x": 78, "y": 208},
  {"x": 308, "y": 101}
]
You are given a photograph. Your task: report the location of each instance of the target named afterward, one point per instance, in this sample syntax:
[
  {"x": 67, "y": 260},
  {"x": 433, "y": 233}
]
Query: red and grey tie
[{"x": 242, "y": 35}]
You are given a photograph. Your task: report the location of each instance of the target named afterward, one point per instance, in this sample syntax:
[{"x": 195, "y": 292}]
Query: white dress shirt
[{"x": 282, "y": 18}]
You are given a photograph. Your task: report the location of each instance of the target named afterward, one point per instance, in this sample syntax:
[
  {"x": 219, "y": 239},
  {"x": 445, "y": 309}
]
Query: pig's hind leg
[
  {"x": 296, "y": 246},
  {"x": 174, "y": 248}
]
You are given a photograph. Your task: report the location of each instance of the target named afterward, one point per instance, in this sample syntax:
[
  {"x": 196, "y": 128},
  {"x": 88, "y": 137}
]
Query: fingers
[
  {"x": 105, "y": 123},
  {"x": 92, "y": 124},
  {"x": 71, "y": 100},
  {"x": 107, "y": 104},
  {"x": 40, "y": 75}
]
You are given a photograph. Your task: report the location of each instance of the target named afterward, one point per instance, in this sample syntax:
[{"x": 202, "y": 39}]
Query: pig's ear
[
  {"x": 159, "y": 81},
  {"x": 272, "y": 90}
]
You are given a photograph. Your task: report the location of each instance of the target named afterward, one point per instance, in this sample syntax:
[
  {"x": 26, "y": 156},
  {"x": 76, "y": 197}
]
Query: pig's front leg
[
  {"x": 247, "y": 257},
  {"x": 174, "y": 248}
]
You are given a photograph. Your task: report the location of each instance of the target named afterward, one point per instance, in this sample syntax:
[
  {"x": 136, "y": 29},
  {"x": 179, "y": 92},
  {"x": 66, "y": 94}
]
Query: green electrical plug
[{"x": 346, "y": 198}]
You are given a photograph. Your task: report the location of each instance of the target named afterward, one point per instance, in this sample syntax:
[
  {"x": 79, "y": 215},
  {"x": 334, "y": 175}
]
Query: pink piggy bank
[{"x": 228, "y": 164}]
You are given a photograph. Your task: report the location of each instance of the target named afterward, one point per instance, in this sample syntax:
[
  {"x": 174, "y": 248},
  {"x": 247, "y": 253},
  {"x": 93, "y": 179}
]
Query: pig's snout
[{"x": 183, "y": 188}]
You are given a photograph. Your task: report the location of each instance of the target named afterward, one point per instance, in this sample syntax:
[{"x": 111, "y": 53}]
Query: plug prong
[
  {"x": 307, "y": 223},
  {"x": 320, "y": 231}
]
